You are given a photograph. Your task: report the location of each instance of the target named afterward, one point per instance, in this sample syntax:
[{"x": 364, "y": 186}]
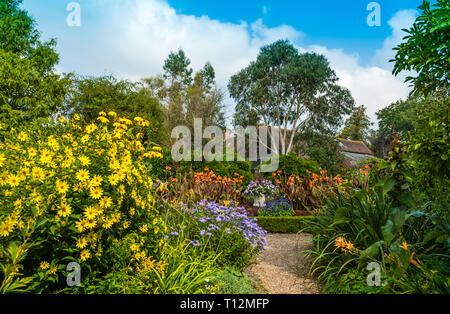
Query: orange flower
[
  {"x": 168, "y": 168},
  {"x": 364, "y": 173},
  {"x": 367, "y": 167},
  {"x": 413, "y": 261}
]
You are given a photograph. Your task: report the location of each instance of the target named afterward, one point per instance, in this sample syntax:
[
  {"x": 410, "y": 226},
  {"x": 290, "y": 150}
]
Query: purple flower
[{"x": 195, "y": 243}]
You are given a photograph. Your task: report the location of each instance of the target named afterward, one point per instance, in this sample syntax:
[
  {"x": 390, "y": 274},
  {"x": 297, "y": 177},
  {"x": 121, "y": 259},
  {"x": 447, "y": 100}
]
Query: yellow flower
[
  {"x": 107, "y": 224},
  {"x": 76, "y": 117},
  {"x": 106, "y": 202},
  {"x": 96, "y": 193},
  {"x": 102, "y": 113},
  {"x": 22, "y": 136},
  {"x": 61, "y": 119},
  {"x": 156, "y": 230},
  {"x": 85, "y": 255},
  {"x": 80, "y": 225},
  {"x": 18, "y": 203},
  {"x": 90, "y": 223},
  {"x": 112, "y": 114},
  {"x": 64, "y": 210},
  {"x": 82, "y": 175},
  {"x": 91, "y": 128},
  {"x": 5, "y": 229},
  {"x": 85, "y": 138},
  {"x": 134, "y": 247},
  {"x": 404, "y": 246},
  {"x": 53, "y": 270},
  {"x": 61, "y": 187},
  {"x": 2, "y": 159},
  {"x": 126, "y": 224},
  {"x": 13, "y": 180},
  {"x": 103, "y": 119},
  {"x": 113, "y": 179},
  {"x": 44, "y": 265},
  {"x": 82, "y": 243},
  {"x": 90, "y": 212},
  {"x": 143, "y": 228},
  {"x": 84, "y": 160}
]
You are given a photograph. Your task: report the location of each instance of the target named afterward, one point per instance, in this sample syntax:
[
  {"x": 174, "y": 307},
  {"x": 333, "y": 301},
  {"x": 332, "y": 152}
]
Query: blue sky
[{"x": 131, "y": 38}]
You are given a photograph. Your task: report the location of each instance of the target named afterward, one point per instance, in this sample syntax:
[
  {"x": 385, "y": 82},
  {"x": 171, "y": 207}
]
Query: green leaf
[
  {"x": 372, "y": 250},
  {"x": 388, "y": 232}
]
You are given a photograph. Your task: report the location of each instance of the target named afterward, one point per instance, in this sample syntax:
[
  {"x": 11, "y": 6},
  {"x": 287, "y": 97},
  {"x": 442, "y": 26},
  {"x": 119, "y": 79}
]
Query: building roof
[{"x": 357, "y": 147}]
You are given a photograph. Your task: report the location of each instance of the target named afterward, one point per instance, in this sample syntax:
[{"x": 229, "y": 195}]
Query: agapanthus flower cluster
[
  {"x": 214, "y": 219},
  {"x": 260, "y": 187},
  {"x": 278, "y": 207}
]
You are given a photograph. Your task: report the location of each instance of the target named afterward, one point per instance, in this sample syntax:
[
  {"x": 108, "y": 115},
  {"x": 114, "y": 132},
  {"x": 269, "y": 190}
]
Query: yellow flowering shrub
[{"x": 70, "y": 193}]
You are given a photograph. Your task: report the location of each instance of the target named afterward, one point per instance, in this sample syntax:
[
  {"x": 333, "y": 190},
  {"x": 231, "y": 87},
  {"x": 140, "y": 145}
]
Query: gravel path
[{"x": 280, "y": 269}]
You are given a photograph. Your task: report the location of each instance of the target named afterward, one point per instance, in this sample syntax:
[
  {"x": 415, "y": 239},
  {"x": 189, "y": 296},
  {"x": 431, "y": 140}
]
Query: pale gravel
[{"x": 282, "y": 268}]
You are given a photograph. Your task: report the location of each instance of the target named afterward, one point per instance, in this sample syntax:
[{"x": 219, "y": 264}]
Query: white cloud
[
  {"x": 402, "y": 19},
  {"x": 371, "y": 86},
  {"x": 138, "y": 35}
]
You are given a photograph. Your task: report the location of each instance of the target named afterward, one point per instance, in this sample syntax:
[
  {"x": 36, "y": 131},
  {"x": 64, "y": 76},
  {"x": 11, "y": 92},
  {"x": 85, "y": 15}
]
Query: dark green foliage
[
  {"x": 353, "y": 282},
  {"x": 292, "y": 164},
  {"x": 283, "y": 224},
  {"x": 321, "y": 148},
  {"x": 232, "y": 281},
  {"x": 426, "y": 48},
  {"x": 400, "y": 115}
]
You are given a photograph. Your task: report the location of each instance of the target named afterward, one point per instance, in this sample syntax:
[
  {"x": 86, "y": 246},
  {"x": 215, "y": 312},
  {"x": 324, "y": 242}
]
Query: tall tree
[
  {"x": 204, "y": 99},
  {"x": 29, "y": 88},
  {"x": 400, "y": 115},
  {"x": 426, "y": 49},
  {"x": 186, "y": 95},
  {"x": 288, "y": 90},
  {"x": 357, "y": 126}
]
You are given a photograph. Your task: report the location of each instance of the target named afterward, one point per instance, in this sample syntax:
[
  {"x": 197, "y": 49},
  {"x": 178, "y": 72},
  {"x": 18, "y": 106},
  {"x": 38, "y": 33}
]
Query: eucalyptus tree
[{"x": 286, "y": 91}]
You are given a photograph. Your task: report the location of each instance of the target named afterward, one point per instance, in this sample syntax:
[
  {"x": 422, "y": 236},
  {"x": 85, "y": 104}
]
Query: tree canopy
[
  {"x": 29, "y": 87},
  {"x": 90, "y": 95}
]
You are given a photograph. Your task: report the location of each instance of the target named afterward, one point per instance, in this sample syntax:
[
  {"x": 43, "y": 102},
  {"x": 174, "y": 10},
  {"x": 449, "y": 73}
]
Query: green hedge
[
  {"x": 293, "y": 164},
  {"x": 282, "y": 224}
]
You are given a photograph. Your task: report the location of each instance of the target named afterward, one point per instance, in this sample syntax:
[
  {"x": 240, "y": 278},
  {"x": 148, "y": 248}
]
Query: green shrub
[
  {"x": 292, "y": 164},
  {"x": 232, "y": 281},
  {"x": 283, "y": 224}
]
